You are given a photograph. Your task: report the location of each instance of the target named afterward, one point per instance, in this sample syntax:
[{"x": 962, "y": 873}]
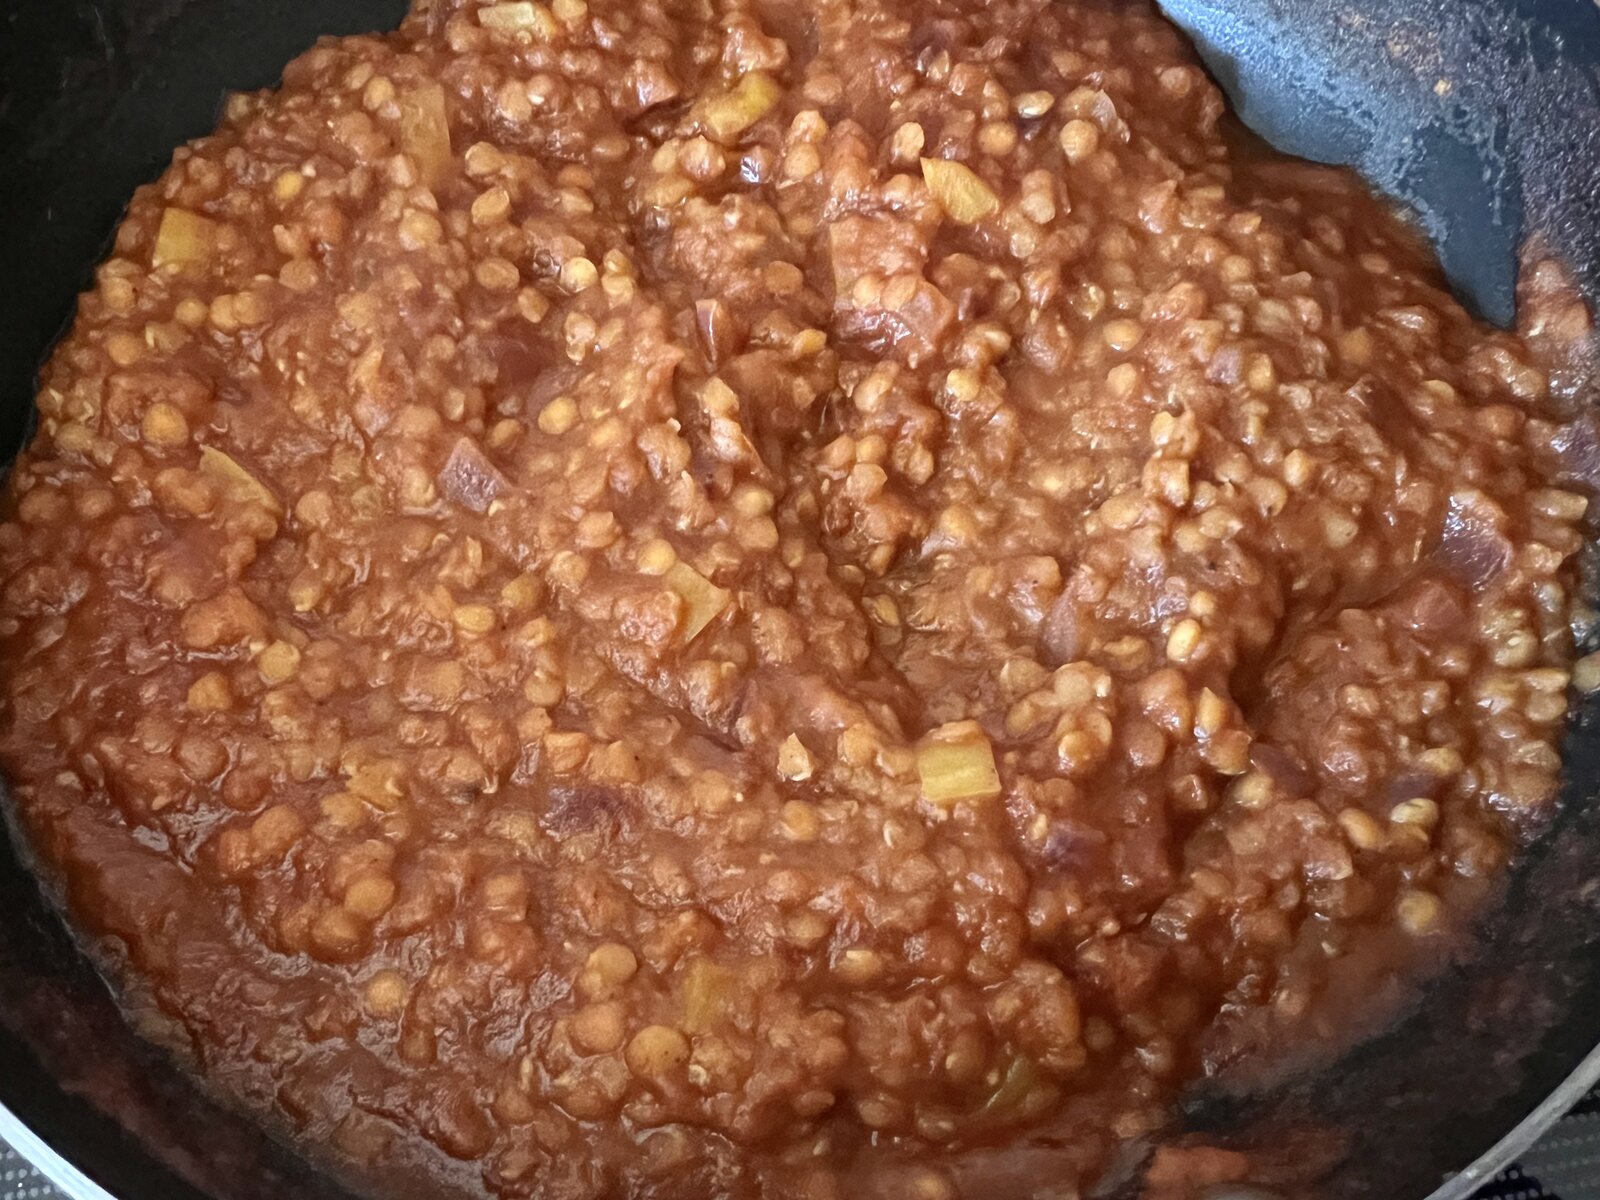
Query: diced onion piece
[
  {"x": 707, "y": 991},
  {"x": 702, "y": 599},
  {"x": 728, "y": 115},
  {"x": 184, "y": 239},
  {"x": 519, "y": 16},
  {"x": 719, "y": 399},
  {"x": 955, "y": 763},
  {"x": 794, "y": 760},
  {"x": 963, "y": 196},
  {"x": 425, "y": 130},
  {"x": 1021, "y": 1077},
  {"x": 236, "y": 480}
]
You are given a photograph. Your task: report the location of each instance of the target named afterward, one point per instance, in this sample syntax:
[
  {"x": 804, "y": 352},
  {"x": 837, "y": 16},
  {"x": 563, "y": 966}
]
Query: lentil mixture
[{"x": 758, "y": 599}]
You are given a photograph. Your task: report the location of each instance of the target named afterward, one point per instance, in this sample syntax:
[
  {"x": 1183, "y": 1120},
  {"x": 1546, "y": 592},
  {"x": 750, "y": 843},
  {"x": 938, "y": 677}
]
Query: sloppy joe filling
[{"x": 636, "y": 598}]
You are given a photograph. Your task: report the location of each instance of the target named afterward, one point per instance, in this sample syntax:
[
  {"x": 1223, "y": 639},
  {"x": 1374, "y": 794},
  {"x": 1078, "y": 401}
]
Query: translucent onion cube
[
  {"x": 707, "y": 993},
  {"x": 236, "y": 481},
  {"x": 521, "y": 16},
  {"x": 702, "y": 599},
  {"x": 726, "y": 116},
  {"x": 1020, "y": 1079},
  {"x": 963, "y": 196},
  {"x": 185, "y": 239},
  {"x": 955, "y": 762},
  {"x": 425, "y": 130}
]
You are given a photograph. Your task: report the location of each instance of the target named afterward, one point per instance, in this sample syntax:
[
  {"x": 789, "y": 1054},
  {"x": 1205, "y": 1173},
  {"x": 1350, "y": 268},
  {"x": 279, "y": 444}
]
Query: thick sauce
[{"x": 785, "y": 600}]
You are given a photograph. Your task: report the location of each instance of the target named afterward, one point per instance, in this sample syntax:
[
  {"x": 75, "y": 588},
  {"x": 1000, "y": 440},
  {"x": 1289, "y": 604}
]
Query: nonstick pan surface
[{"x": 1483, "y": 115}]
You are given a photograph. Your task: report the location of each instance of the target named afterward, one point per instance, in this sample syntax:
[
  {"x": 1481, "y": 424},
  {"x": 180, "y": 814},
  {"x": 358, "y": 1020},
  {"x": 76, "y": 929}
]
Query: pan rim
[
  {"x": 1525, "y": 1133},
  {"x": 44, "y": 1158}
]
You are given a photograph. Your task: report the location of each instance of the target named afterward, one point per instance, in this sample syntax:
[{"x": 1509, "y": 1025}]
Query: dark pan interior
[{"x": 1485, "y": 117}]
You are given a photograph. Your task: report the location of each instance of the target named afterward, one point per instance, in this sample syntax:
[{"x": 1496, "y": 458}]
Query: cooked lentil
[{"x": 800, "y": 601}]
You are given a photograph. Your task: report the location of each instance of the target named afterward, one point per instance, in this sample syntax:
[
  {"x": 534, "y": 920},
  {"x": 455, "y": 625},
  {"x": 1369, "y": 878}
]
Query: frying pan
[{"x": 1482, "y": 115}]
